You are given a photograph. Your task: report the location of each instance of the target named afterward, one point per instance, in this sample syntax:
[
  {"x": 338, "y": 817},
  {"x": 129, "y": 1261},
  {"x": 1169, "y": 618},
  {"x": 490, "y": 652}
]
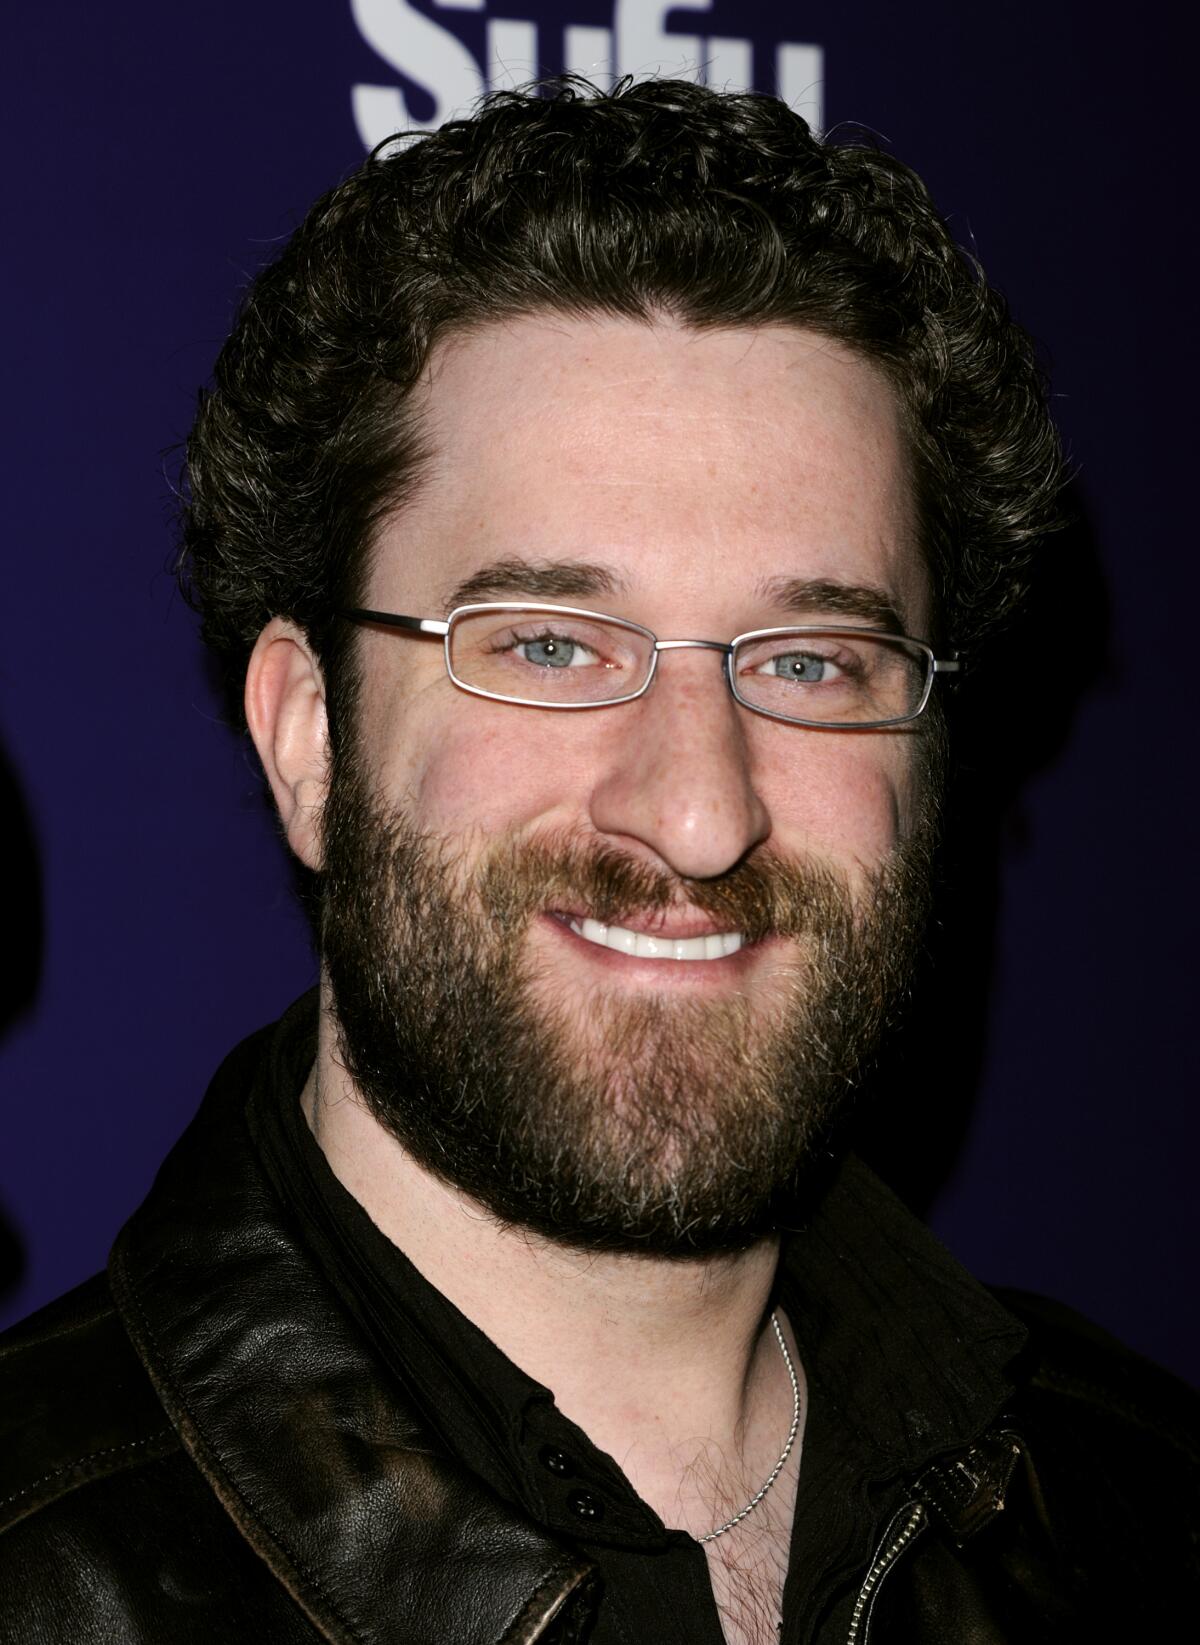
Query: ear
[{"x": 285, "y": 710}]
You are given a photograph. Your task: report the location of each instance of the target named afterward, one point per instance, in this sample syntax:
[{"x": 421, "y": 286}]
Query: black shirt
[{"x": 903, "y": 1352}]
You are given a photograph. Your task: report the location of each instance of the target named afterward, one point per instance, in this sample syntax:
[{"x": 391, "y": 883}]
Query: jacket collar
[{"x": 308, "y": 1443}]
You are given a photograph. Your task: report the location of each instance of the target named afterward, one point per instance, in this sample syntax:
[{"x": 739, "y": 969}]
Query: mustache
[{"x": 762, "y": 896}]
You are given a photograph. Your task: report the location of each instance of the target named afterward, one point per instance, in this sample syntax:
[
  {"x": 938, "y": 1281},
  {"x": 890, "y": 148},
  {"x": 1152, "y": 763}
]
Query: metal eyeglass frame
[{"x": 438, "y": 627}]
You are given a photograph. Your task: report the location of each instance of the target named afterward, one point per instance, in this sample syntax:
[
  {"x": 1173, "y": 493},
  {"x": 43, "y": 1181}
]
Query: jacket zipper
[{"x": 896, "y": 1539}]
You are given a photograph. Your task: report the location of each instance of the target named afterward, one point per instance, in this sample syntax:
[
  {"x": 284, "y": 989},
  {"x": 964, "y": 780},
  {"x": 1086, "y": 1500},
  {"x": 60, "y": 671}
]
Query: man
[{"x": 591, "y": 500}]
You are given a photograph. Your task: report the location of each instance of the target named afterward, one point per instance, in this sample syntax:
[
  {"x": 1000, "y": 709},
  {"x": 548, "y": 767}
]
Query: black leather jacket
[{"x": 200, "y": 1449}]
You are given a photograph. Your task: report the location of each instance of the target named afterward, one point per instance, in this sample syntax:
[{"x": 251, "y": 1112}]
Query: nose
[{"x": 678, "y": 777}]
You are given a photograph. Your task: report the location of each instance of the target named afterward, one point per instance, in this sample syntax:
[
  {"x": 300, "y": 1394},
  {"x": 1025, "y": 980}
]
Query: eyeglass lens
[{"x": 554, "y": 659}]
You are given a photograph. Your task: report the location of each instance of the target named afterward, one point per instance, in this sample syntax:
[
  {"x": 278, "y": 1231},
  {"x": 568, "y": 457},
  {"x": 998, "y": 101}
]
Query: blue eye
[
  {"x": 803, "y": 667},
  {"x": 552, "y": 651}
]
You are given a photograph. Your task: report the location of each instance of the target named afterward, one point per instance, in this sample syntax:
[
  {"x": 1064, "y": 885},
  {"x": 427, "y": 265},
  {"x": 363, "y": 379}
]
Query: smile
[{"x": 645, "y": 947}]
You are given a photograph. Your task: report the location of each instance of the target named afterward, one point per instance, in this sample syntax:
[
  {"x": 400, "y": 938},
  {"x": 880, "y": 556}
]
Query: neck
[{"x": 669, "y": 1366}]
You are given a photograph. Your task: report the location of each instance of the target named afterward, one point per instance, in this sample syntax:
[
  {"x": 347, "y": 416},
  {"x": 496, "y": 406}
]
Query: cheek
[
  {"x": 490, "y": 772},
  {"x": 847, "y": 800}
]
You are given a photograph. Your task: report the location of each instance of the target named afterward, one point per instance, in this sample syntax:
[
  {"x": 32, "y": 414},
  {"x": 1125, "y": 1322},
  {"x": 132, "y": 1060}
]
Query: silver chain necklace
[{"x": 783, "y": 1455}]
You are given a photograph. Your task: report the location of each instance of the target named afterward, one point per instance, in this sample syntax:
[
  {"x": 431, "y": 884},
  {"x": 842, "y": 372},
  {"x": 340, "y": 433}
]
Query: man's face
[{"x": 701, "y": 484}]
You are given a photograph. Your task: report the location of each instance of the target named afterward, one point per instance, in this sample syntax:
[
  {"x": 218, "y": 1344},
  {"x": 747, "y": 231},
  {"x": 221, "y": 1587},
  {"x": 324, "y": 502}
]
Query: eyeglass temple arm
[
  {"x": 946, "y": 665},
  {"x": 393, "y": 619}
]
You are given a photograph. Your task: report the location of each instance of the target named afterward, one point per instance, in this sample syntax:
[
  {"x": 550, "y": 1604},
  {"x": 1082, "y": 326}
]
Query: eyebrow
[
  {"x": 822, "y": 596},
  {"x": 516, "y": 578}
]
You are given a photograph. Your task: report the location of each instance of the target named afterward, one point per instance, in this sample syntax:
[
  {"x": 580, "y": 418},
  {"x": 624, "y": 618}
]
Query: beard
[{"x": 604, "y": 1119}]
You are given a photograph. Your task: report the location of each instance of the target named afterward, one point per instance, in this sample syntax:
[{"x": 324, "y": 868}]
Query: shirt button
[
  {"x": 584, "y": 1505},
  {"x": 558, "y": 1462}
]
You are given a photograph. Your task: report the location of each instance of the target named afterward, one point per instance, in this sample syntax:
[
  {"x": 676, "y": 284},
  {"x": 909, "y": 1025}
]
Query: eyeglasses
[{"x": 557, "y": 656}]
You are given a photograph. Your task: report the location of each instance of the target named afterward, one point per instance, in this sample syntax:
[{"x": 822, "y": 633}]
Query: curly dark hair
[{"x": 657, "y": 198}]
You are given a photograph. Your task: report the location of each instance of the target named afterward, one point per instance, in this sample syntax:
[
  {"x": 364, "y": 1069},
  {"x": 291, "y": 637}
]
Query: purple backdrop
[{"x": 155, "y": 157}]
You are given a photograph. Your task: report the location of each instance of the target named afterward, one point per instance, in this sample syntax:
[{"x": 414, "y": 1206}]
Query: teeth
[{"x": 658, "y": 948}]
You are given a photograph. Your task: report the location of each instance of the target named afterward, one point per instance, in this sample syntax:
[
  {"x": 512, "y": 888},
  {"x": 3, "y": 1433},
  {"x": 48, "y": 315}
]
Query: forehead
[{"x": 692, "y": 465}]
